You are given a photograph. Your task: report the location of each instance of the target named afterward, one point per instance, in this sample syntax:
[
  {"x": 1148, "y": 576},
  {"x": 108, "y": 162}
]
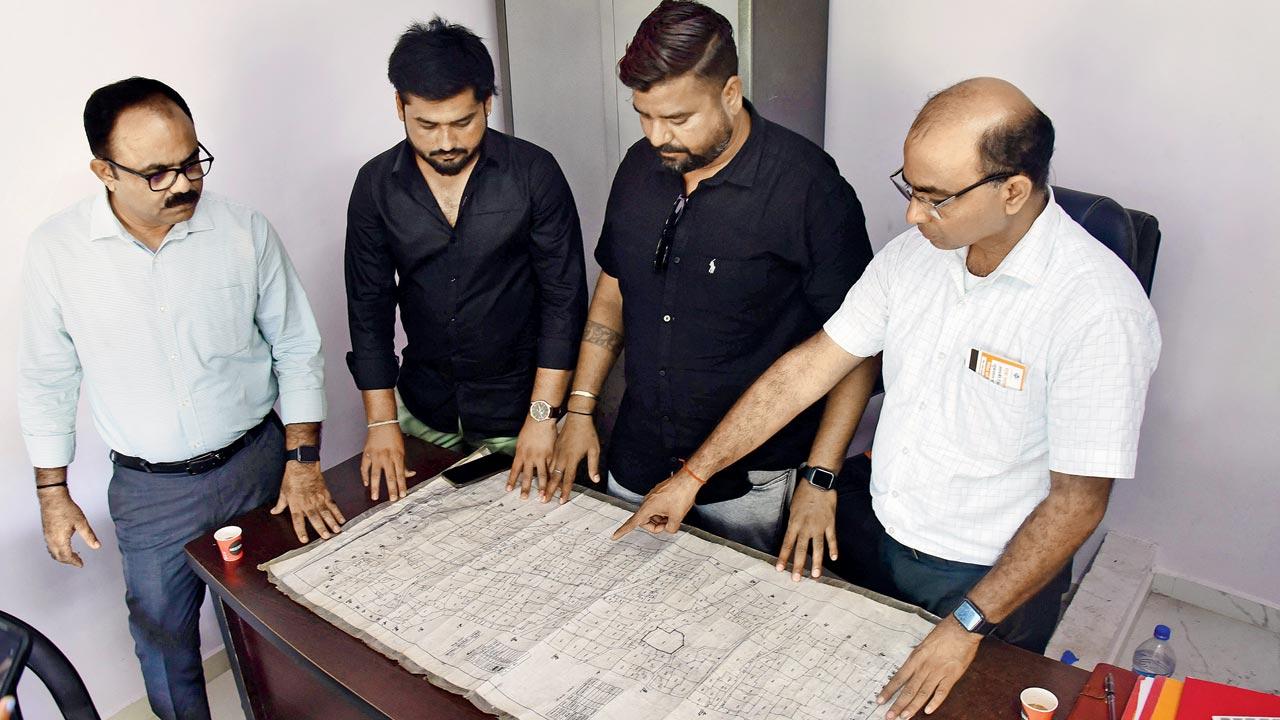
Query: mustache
[
  {"x": 442, "y": 153},
  {"x": 187, "y": 198},
  {"x": 672, "y": 148}
]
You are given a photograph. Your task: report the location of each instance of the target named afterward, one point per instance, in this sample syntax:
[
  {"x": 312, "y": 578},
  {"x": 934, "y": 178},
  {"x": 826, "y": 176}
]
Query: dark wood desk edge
[{"x": 227, "y": 598}]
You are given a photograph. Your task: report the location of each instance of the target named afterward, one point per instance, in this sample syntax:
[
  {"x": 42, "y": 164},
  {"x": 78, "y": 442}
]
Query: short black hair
[
  {"x": 678, "y": 37},
  {"x": 107, "y": 103},
  {"x": 1022, "y": 144},
  {"x": 438, "y": 60}
]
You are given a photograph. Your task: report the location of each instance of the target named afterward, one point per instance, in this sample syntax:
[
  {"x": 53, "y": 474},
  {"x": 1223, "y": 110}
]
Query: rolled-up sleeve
[
  {"x": 285, "y": 320},
  {"x": 49, "y": 370},
  {"x": 371, "y": 293},
  {"x": 556, "y": 239}
]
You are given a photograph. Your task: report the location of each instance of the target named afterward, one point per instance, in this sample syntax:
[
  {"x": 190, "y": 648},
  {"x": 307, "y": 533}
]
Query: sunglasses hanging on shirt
[{"x": 663, "y": 251}]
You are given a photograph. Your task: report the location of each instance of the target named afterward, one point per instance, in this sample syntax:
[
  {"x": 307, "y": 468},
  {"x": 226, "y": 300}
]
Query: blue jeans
[
  {"x": 938, "y": 585},
  {"x": 756, "y": 519},
  {"x": 155, "y": 516}
]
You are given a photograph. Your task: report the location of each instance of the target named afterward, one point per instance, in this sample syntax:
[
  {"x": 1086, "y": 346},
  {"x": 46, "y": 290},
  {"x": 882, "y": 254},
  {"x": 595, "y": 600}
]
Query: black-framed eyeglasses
[
  {"x": 935, "y": 208},
  {"x": 663, "y": 251},
  {"x": 162, "y": 180}
]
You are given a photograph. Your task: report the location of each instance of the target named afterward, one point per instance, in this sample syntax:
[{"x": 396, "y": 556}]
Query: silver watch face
[
  {"x": 968, "y": 616},
  {"x": 539, "y": 410}
]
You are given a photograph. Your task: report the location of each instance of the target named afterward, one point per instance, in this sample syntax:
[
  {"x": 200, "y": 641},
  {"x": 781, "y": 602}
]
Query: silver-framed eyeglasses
[
  {"x": 163, "y": 179},
  {"x": 935, "y": 208}
]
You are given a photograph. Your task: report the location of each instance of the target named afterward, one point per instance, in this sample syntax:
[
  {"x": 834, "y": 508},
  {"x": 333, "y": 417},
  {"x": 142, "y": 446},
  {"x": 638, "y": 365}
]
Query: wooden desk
[{"x": 290, "y": 664}]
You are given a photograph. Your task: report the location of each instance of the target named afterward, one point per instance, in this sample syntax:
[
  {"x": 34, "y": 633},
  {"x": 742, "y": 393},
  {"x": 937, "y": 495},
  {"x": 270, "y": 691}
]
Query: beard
[
  {"x": 443, "y": 164},
  {"x": 688, "y": 161}
]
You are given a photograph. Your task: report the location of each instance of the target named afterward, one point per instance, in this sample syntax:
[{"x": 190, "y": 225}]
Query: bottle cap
[{"x": 1162, "y": 632}]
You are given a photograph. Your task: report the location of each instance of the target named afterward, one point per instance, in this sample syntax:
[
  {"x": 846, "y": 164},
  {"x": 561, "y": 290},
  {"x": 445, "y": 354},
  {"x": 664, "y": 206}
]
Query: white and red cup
[
  {"x": 230, "y": 543},
  {"x": 1038, "y": 704}
]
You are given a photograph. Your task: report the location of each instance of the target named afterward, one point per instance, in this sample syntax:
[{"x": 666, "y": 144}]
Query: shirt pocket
[
  {"x": 983, "y": 419},
  {"x": 221, "y": 323},
  {"x": 731, "y": 296}
]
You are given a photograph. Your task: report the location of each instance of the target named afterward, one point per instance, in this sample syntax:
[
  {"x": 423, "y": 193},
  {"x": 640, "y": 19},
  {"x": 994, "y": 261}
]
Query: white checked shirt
[
  {"x": 181, "y": 350},
  {"x": 960, "y": 461}
]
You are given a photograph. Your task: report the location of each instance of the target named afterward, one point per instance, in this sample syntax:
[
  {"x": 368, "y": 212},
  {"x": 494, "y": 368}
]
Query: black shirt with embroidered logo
[
  {"x": 763, "y": 253},
  {"x": 483, "y": 303}
]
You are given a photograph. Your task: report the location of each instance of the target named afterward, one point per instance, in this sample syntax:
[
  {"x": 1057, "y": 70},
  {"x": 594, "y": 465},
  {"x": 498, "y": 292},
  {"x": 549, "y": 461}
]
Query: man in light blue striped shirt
[{"x": 184, "y": 319}]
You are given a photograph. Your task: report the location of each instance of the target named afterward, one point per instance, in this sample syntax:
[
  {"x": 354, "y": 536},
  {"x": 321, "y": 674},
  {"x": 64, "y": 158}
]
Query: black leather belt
[{"x": 199, "y": 464}]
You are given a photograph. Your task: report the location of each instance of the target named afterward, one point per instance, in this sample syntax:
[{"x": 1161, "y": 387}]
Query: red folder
[
  {"x": 1091, "y": 704},
  {"x": 1201, "y": 700}
]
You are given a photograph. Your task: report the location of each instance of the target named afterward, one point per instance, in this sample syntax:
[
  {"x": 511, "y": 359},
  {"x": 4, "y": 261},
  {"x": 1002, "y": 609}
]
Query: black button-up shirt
[
  {"x": 764, "y": 253},
  {"x": 483, "y": 303}
]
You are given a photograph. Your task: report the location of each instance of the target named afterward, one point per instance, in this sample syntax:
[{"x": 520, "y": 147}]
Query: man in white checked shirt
[
  {"x": 183, "y": 316},
  {"x": 1017, "y": 355}
]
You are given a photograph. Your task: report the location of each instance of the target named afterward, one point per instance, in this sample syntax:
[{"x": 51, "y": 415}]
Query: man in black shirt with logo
[
  {"x": 474, "y": 234},
  {"x": 727, "y": 240}
]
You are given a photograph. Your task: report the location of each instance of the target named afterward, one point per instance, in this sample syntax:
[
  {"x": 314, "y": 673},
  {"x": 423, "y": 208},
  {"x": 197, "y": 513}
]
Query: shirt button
[
  {"x": 922, "y": 405},
  {"x": 894, "y": 493},
  {"x": 453, "y": 319},
  {"x": 666, "y": 318},
  {"x": 676, "y": 259},
  {"x": 942, "y": 356},
  {"x": 453, "y": 279},
  {"x": 888, "y": 529},
  {"x": 906, "y": 451},
  {"x": 662, "y": 372},
  {"x": 164, "y": 309},
  {"x": 666, "y": 418},
  {"x": 185, "y": 403},
  {"x": 173, "y": 357}
]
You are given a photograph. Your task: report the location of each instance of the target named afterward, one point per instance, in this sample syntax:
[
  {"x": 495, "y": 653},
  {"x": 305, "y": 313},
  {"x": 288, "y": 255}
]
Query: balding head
[{"x": 1004, "y": 129}]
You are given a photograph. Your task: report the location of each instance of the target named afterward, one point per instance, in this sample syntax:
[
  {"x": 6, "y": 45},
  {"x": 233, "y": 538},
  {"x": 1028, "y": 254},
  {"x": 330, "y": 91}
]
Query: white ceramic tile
[
  {"x": 224, "y": 700},
  {"x": 1209, "y": 645},
  {"x": 1219, "y": 601},
  {"x": 1109, "y": 596}
]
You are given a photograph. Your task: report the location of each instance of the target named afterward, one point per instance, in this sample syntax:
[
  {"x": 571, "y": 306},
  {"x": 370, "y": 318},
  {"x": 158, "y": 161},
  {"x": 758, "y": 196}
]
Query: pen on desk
[{"x": 1109, "y": 687}]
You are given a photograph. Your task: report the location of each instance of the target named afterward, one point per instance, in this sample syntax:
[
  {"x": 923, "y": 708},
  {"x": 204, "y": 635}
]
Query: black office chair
[
  {"x": 56, "y": 672},
  {"x": 1131, "y": 234}
]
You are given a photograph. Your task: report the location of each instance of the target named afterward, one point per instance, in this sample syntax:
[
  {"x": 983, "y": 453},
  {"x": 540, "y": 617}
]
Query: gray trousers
[
  {"x": 155, "y": 516},
  {"x": 757, "y": 519}
]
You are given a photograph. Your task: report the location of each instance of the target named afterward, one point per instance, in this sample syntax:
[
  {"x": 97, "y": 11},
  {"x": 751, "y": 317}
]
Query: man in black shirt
[
  {"x": 727, "y": 240},
  {"x": 474, "y": 234}
]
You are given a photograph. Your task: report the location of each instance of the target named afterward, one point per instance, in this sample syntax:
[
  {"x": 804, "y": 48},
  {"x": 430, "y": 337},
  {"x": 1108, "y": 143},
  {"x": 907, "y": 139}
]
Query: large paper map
[{"x": 530, "y": 610}]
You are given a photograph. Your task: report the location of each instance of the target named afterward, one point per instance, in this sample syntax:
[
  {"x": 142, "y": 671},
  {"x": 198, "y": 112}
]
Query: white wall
[
  {"x": 1169, "y": 107},
  {"x": 292, "y": 98}
]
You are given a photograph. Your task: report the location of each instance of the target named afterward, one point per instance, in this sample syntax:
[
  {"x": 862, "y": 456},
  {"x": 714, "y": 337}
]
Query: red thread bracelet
[{"x": 685, "y": 467}]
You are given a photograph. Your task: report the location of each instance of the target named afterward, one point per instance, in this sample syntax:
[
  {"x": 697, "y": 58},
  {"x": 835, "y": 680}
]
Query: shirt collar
[
  {"x": 1030, "y": 256},
  {"x": 742, "y": 169},
  {"x": 104, "y": 224}
]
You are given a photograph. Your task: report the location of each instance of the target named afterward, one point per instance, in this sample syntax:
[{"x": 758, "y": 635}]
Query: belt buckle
[{"x": 204, "y": 463}]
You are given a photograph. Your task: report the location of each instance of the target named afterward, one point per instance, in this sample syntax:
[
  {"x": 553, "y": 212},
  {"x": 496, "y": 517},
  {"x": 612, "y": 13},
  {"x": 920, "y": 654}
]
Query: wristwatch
[
  {"x": 303, "y": 454},
  {"x": 818, "y": 477},
  {"x": 541, "y": 410},
  {"x": 972, "y": 619}
]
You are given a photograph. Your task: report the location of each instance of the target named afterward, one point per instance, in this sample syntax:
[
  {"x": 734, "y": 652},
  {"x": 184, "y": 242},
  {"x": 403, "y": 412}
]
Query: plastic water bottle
[{"x": 1155, "y": 656}]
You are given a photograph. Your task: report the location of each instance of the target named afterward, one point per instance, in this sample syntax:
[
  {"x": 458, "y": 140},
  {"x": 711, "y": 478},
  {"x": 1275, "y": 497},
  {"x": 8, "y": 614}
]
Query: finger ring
[{"x": 558, "y": 471}]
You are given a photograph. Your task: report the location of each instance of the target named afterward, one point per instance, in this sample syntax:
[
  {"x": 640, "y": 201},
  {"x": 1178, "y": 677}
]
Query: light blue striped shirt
[{"x": 181, "y": 351}]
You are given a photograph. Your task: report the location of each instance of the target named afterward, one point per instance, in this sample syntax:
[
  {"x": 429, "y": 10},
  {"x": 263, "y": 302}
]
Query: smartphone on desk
[
  {"x": 15, "y": 646},
  {"x": 478, "y": 469}
]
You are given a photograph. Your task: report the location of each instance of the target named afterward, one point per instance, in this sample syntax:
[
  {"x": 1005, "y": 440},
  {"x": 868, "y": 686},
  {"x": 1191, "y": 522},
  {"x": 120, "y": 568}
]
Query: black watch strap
[
  {"x": 303, "y": 454},
  {"x": 971, "y": 618}
]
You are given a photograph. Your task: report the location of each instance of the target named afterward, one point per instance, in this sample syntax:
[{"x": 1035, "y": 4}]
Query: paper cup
[
  {"x": 229, "y": 543},
  {"x": 1038, "y": 704}
]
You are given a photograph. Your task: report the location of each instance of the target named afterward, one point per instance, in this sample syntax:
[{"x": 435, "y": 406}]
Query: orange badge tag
[{"x": 1001, "y": 371}]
